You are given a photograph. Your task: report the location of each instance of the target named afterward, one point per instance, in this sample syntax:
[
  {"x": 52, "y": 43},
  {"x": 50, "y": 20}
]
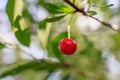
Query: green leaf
[
  {"x": 53, "y": 47},
  {"x": 19, "y": 69},
  {"x": 42, "y": 24},
  {"x": 2, "y": 45},
  {"x": 23, "y": 36},
  {"x": 39, "y": 66},
  {"x": 52, "y": 8},
  {"x": 91, "y": 13},
  {"x": 65, "y": 9},
  {"x": 91, "y": 1},
  {"x": 67, "y": 77},
  {"x": 53, "y": 19},
  {"x": 106, "y": 7},
  {"x": 116, "y": 38},
  {"x": 10, "y": 9},
  {"x": 55, "y": 43},
  {"x": 110, "y": 5},
  {"x": 16, "y": 22},
  {"x": 41, "y": 2},
  {"x": 26, "y": 14},
  {"x": 91, "y": 51},
  {"x": 57, "y": 9}
]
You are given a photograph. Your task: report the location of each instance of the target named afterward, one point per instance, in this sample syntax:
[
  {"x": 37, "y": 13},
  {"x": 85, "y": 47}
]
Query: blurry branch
[
  {"x": 46, "y": 65},
  {"x": 70, "y": 67},
  {"x": 14, "y": 46},
  {"x": 112, "y": 26},
  {"x": 75, "y": 7},
  {"x": 49, "y": 62}
]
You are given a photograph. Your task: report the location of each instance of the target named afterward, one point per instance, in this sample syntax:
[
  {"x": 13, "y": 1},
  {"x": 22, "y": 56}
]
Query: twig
[
  {"x": 112, "y": 26},
  {"x": 47, "y": 61},
  {"x": 75, "y": 7},
  {"x": 15, "y": 46}
]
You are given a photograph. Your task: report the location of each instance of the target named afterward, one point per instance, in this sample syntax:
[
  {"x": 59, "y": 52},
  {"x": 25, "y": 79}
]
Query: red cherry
[{"x": 67, "y": 46}]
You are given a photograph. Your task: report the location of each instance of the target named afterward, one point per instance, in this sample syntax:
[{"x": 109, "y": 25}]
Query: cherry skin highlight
[{"x": 67, "y": 46}]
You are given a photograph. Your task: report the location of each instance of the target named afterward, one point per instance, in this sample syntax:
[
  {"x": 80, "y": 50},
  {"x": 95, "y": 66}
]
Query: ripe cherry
[{"x": 67, "y": 46}]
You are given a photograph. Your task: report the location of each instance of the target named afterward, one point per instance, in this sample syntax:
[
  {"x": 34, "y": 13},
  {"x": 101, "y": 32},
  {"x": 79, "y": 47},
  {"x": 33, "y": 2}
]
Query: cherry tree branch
[
  {"x": 75, "y": 7},
  {"x": 73, "y": 69},
  {"x": 14, "y": 46},
  {"x": 112, "y": 26}
]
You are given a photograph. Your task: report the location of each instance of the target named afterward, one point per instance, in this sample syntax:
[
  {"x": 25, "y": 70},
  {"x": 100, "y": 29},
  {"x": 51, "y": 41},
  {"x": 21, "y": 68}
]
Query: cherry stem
[
  {"x": 69, "y": 31},
  {"x": 69, "y": 26}
]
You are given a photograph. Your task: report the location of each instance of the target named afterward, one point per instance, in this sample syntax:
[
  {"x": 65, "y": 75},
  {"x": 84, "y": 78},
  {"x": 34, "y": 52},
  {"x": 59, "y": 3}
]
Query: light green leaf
[
  {"x": 53, "y": 19},
  {"x": 91, "y": 13},
  {"x": 52, "y": 8},
  {"x": 66, "y": 9},
  {"x": 106, "y": 7}
]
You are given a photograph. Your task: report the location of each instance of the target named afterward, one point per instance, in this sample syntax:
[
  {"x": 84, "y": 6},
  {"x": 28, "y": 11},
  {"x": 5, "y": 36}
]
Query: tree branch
[
  {"x": 112, "y": 26},
  {"x": 75, "y": 7},
  {"x": 13, "y": 46}
]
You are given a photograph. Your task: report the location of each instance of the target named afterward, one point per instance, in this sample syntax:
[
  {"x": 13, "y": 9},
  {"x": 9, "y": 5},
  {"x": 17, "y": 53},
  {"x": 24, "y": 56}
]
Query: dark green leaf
[
  {"x": 53, "y": 47},
  {"x": 2, "y": 45},
  {"x": 10, "y": 9},
  {"x": 16, "y": 22},
  {"x": 106, "y": 7},
  {"x": 55, "y": 42},
  {"x": 41, "y": 2},
  {"x": 42, "y": 65},
  {"x": 57, "y": 9},
  {"x": 19, "y": 69},
  {"x": 53, "y": 19},
  {"x": 91, "y": 13},
  {"x": 52, "y": 8},
  {"x": 110, "y": 5},
  {"x": 42, "y": 25},
  {"x": 26, "y": 14},
  {"x": 67, "y": 77},
  {"x": 23, "y": 36}
]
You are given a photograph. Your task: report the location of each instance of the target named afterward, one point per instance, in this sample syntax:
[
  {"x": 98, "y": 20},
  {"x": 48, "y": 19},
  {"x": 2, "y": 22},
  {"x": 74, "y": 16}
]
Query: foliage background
[{"x": 31, "y": 29}]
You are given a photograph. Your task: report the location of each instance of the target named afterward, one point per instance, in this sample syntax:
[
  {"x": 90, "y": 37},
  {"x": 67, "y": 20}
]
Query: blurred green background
[{"x": 30, "y": 31}]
